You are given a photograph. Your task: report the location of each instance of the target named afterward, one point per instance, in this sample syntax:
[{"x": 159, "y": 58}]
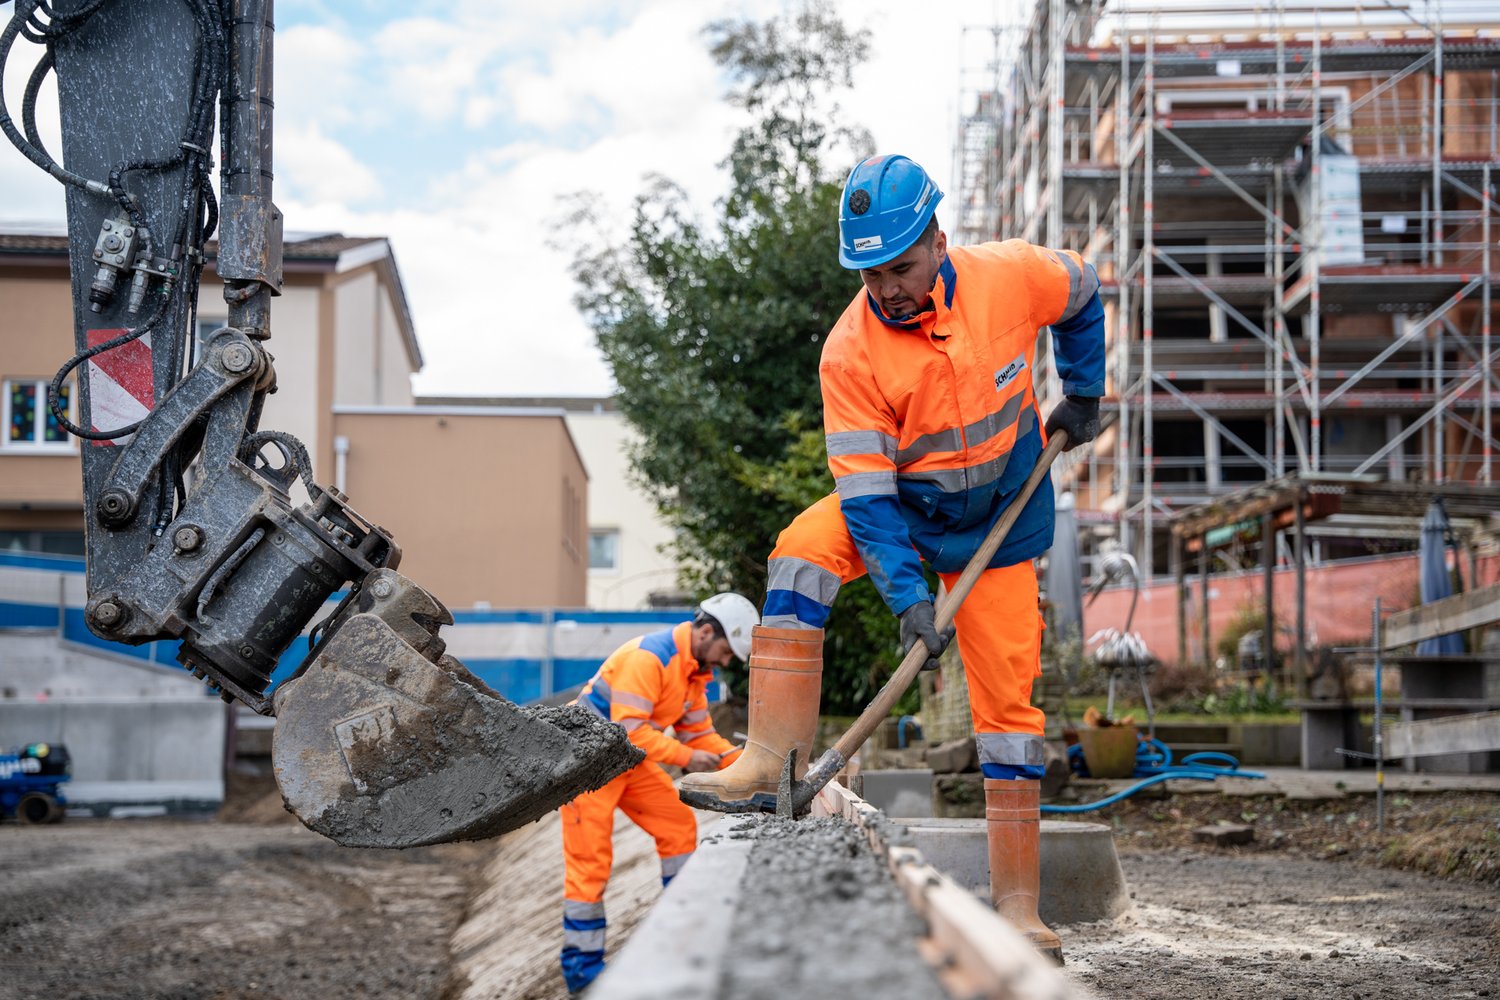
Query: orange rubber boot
[
  {"x": 786, "y": 674},
  {"x": 1012, "y": 809}
]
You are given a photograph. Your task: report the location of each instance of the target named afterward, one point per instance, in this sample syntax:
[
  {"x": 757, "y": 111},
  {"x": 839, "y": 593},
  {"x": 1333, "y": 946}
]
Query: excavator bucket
[{"x": 383, "y": 740}]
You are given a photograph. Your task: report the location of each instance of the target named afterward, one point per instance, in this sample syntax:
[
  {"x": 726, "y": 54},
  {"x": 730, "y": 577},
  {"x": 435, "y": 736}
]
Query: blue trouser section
[
  {"x": 580, "y": 968},
  {"x": 790, "y": 604},
  {"x": 1013, "y": 772}
]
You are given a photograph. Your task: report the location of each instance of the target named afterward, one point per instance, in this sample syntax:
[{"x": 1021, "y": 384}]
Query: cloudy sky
[{"x": 455, "y": 126}]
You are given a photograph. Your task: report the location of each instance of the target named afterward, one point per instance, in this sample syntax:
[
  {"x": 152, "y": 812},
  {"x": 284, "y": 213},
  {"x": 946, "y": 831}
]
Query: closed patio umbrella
[{"x": 1436, "y": 583}]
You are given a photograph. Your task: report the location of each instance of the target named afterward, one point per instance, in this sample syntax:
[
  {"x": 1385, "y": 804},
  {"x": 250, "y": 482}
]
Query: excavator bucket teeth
[{"x": 377, "y": 746}]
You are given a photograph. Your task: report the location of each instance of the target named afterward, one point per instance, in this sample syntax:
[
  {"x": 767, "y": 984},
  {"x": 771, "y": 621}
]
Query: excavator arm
[{"x": 191, "y": 529}]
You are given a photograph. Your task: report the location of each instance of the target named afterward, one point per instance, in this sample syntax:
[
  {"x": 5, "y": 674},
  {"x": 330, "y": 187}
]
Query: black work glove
[
  {"x": 918, "y": 622},
  {"x": 1079, "y": 416}
]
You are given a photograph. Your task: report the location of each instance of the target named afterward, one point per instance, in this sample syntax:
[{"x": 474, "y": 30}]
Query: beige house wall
[
  {"x": 371, "y": 364},
  {"x": 616, "y": 504},
  {"x": 36, "y": 336},
  {"x": 488, "y": 505},
  {"x": 295, "y": 406}
]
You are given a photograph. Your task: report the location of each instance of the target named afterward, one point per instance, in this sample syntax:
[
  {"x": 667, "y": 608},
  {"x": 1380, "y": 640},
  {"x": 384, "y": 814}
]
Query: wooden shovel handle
[{"x": 894, "y": 688}]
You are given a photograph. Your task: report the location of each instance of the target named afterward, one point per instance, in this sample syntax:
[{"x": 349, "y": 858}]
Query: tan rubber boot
[
  {"x": 786, "y": 674},
  {"x": 1012, "y": 809}
]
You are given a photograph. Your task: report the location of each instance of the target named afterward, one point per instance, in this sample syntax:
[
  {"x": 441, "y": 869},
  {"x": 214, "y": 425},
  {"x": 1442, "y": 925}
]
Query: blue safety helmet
[{"x": 887, "y": 202}]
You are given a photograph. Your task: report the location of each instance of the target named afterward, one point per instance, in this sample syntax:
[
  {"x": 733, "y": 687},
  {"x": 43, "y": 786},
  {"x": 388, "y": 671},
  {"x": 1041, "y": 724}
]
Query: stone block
[
  {"x": 1224, "y": 834},
  {"x": 953, "y": 757},
  {"x": 958, "y": 796},
  {"x": 899, "y": 793}
]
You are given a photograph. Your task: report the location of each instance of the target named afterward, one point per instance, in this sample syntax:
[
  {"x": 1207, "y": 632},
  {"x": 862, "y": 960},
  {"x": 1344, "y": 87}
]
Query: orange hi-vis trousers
[
  {"x": 998, "y": 626},
  {"x": 647, "y": 796}
]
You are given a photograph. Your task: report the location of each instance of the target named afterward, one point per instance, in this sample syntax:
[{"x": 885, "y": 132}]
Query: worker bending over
[
  {"x": 650, "y": 684},
  {"x": 931, "y": 426}
]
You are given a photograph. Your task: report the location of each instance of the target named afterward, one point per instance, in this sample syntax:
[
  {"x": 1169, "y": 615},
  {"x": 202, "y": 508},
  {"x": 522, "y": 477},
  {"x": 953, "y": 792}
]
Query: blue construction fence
[{"x": 526, "y": 655}]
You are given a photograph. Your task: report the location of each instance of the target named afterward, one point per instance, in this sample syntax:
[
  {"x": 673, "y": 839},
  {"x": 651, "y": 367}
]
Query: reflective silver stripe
[
  {"x": 976, "y": 433},
  {"x": 1014, "y": 749},
  {"x": 802, "y": 577},
  {"x": 970, "y": 477},
  {"x": 1082, "y": 284},
  {"x": 861, "y": 443},
  {"x": 600, "y": 686},
  {"x": 633, "y": 700},
  {"x": 785, "y": 621},
  {"x": 671, "y": 866},
  {"x": 575, "y": 910},
  {"x": 948, "y": 440},
  {"x": 629, "y": 724},
  {"x": 694, "y": 717},
  {"x": 865, "y": 484},
  {"x": 584, "y": 940}
]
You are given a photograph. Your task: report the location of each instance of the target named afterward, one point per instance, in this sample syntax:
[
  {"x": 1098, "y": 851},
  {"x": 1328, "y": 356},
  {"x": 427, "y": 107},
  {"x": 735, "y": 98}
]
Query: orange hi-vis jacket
[
  {"x": 652, "y": 684},
  {"x": 932, "y": 421}
]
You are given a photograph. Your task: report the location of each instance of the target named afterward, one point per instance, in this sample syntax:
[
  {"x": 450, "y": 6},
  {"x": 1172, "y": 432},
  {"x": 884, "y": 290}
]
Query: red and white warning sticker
[{"x": 120, "y": 384}]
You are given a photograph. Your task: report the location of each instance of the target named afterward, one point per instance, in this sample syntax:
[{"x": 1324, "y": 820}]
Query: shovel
[{"x": 794, "y": 797}]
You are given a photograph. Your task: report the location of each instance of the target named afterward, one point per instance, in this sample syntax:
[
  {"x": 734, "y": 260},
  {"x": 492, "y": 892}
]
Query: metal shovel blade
[{"x": 377, "y": 746}]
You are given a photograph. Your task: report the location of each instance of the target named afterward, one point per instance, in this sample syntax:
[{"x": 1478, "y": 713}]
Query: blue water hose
[{"x": 1153, "y": 765}]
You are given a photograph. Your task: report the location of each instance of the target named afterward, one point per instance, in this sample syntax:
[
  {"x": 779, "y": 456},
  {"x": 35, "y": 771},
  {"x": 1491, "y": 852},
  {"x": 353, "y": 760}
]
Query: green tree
[{"x": 713, "y": 331}]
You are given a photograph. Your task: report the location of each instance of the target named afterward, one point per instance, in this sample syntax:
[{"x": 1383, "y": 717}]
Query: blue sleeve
[
  {"x": 884, "y": 544},
  {"x": 1078, "y": 350}
]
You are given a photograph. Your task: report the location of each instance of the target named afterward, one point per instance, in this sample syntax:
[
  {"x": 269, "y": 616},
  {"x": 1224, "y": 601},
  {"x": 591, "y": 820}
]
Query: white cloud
[
  {"x": 318, "y": 71},
  {"x": 322, "y": 169},
  {"x": 456, "y": 132},
  {"x": 30, "y": 195}
]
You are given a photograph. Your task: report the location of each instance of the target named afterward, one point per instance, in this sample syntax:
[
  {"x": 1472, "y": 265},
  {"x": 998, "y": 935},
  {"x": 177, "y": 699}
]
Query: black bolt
[{"x": 115, "y": 506}]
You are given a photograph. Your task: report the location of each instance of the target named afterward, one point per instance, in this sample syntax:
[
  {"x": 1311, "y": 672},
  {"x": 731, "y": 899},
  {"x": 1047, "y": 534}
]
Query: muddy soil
[{"x": 202, "y": 910}]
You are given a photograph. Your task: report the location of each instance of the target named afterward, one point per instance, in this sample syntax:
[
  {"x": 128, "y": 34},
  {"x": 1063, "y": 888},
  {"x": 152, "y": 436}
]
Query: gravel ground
[
  {"x": 1320, "y": 905},
  {"x": 222, "y": 911},
  {"x": 1215, "y": 926},
  {"x": 258, "y": 907}
]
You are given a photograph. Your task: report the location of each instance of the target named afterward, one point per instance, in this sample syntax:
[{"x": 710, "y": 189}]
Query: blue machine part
[{"x": 30, "y": 783}]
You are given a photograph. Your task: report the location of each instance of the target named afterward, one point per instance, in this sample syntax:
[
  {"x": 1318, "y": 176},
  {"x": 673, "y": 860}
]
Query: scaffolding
[{"x": 1291, "y": 208}]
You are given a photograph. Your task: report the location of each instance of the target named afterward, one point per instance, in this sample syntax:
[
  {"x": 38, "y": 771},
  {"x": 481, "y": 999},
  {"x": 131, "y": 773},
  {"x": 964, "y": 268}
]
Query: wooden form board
[
  {"x": 1454, "y": 734},
  {"x": 1451, "y": 614}
]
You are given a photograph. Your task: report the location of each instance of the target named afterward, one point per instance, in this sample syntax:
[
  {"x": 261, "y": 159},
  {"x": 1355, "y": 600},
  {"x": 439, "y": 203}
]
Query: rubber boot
[
  {"x": 1013, "y": 813},
  {"x": 786, "y": 674}
]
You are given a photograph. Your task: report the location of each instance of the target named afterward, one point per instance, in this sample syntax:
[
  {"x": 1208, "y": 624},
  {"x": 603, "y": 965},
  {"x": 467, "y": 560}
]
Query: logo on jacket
[{"x": 1004, "y": 376}]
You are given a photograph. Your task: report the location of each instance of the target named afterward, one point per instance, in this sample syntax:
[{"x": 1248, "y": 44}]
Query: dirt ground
[
  {"x": 256, "y": 907},
  {"x": 1319, "y": 906},
  {"x": 253, "y": 906}
]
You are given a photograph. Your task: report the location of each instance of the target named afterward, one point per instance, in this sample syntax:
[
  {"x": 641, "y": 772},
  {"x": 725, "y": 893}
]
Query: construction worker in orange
[
  {"x": 649, "y": 685},
  {"x": 932, "y": 426}
]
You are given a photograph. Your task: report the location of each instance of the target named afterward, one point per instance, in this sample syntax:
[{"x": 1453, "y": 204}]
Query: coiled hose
[{"x": 1153, "y": 765}]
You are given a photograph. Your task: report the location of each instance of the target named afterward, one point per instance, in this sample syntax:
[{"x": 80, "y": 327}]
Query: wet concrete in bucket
[
  {"x": 476, "y": 766},
  {"x": 818, "y": 916}
]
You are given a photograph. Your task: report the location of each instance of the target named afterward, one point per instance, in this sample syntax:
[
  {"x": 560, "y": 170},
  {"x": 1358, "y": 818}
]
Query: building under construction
[{"x": 1291, "y": 208}]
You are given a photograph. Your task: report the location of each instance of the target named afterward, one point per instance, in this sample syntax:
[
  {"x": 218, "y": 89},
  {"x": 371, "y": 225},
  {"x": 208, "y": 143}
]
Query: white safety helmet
[{"x": 737, "y": 616}]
